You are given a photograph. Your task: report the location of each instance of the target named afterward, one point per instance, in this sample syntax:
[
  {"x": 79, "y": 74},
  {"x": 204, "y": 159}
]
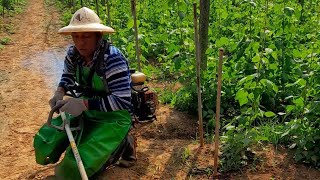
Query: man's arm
[{"x": 68, "y": 76}]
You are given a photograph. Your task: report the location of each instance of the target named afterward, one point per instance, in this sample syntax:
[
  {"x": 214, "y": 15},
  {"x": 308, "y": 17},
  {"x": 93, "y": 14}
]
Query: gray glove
[
  {"x": 58, "y": 95},
  {"x": 73, "y": 106}
]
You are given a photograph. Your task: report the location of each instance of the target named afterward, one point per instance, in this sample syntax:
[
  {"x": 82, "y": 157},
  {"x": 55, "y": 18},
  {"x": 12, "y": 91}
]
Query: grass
[{"x": 5, "y": 41}]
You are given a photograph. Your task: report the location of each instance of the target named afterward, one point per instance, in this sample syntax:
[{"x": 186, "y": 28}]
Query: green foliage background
[{"x": 271, "y": 71}]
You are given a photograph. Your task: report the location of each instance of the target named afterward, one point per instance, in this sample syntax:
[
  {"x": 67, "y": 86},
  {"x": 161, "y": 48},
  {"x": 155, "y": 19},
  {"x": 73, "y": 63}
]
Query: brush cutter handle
[
  {"x": 53, "y": 110},
  {"x": 64, "y": 120}
]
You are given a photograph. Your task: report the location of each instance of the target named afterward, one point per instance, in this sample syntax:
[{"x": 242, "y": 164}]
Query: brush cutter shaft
[
  {"x": 53, "y": 110},
  {"x": 74, "y": 147}
]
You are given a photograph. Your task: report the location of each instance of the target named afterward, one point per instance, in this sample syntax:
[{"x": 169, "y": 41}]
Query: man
[{"x": 101, "y": 73}]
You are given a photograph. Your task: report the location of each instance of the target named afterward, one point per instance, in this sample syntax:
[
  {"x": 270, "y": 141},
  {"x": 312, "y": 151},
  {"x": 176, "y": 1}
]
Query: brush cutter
[{"x": 65, "y": 126}]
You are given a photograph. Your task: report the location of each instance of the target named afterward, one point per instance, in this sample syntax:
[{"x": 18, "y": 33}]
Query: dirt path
[
  {"x": 23, "y": 95},
  {"x": 167, "y": 149}
]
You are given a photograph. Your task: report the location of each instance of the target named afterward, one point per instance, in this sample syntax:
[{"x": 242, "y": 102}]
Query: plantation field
[{"x": 270, "y": 126}]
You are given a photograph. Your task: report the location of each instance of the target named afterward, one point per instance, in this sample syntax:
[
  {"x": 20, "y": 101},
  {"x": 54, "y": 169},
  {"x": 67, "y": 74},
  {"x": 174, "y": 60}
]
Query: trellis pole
[
  {"x": 109, "y": 18},
  {"x": 133, "y": 9},
  {"x": 97, "y": 8},
  {"x": 216, "y": 136},
  {"x": 196, "y": 39}
]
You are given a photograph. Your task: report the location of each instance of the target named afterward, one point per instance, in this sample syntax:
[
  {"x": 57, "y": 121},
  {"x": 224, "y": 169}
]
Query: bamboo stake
[
  {"x": 133, "y": 9},
  {"x": 109, "y": 18},
  {"x": 216, "y": 136},
  {"x": 196, "y": 39},
  {"x": 97, "y": 8}
]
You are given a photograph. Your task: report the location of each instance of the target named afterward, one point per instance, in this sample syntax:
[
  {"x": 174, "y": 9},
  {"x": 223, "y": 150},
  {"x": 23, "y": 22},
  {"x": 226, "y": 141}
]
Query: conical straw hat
[{"x": 85, "y": 20}]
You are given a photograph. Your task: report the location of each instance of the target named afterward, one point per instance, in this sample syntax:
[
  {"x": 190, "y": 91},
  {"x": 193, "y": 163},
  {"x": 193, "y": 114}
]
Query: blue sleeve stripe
[
  {"x": 113, "y": 104},
  {"x": 105, "y": 106},
  {"x": 115, "y": 64},
  {"x": 126, "y": 101},
  {"x": 117, "y": 70},
  {"x": 115, "y": 81},
  {"x": 119, "y": 86},
  {"x": 118, "y": 75},
  {"x": 119, "y": 83}
]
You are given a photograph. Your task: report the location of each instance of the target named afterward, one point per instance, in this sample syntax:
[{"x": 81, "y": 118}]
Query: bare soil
[{"x": 167, "y": 148}]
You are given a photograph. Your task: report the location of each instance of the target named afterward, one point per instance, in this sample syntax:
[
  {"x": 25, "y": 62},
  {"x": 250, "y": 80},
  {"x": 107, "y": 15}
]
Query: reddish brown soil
[{"x": 167, "y": 148}]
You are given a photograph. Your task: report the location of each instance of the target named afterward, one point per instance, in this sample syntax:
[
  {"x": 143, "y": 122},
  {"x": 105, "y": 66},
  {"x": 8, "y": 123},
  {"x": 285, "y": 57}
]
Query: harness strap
[{"x": 98, "y": 68}]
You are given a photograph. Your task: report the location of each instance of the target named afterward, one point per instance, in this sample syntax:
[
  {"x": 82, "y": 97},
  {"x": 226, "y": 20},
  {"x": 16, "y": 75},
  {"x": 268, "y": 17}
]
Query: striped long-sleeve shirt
[{"x": 116, "y": 70}]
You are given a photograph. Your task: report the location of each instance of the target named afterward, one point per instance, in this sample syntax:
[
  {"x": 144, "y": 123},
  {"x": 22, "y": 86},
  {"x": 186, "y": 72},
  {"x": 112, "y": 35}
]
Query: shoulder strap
[
  {"x": 98, "y": 67},
  {"x": 99, "y": 64}
]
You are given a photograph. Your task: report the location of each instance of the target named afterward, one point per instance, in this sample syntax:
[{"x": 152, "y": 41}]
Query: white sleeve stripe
[
  {"x": 112, "y": 103},
  {"x": 120, "y": 79},
  {"x": 103, "y": 105},
  {"x": 116, "y": 71}
]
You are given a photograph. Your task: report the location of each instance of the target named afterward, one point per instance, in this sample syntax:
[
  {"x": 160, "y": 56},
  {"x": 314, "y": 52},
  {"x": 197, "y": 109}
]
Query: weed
[
  {"x": 165, "y": 95},
  {"x": 5, "y": 40},
  {"x": 185, "y": 155}
]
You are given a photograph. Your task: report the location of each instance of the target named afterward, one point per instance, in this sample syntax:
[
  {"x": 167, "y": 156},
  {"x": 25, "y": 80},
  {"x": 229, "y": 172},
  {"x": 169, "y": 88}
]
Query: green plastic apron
[{"x": 101, "y": 135}]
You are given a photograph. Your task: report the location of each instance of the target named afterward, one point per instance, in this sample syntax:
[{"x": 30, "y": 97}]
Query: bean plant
[{"x": 271, "y": 70}]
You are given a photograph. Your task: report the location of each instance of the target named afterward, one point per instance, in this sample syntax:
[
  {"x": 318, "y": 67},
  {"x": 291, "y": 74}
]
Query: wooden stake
[
  {"x": 97, "y": 8},
  {"x": 196, "y": 39},
  {"x": 109, "y": 18},
  {"x": 133, "y": 9},
  {"x": 216, "y": 136}
]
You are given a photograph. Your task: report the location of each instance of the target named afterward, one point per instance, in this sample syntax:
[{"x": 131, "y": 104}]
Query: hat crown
[
  {"x": 84, "y": 16},
  {"x": 85, "y": 20}
]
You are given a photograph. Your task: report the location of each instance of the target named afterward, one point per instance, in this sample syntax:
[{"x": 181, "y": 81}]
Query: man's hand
[
  {"x": 58, "y": 95},
  {"x": 73, "y": 106}
]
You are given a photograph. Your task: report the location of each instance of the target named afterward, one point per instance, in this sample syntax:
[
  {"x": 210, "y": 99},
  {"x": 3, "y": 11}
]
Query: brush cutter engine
[{"x": 144, "y": 100}]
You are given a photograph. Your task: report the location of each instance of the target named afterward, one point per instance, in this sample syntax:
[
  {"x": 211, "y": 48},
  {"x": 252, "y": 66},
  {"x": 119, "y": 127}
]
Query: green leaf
[
  {"x": 269, "y": 84},
  {"x": 130, "y": 24},
  {"x": 314, "y": 158},
  {"x": 273, "y": 66},
  {"x": 256, "y": 58},
  {"x": 181, "y": 15},
  {"x": 269, "y": 114},
  {"x": 242, "y": 97},
  {"x": 288, "y": 11},
  {"x": 285, "y": 133},
  {"x": 255, "y": 47},
  {"x": 274, "y": 54},
  {"x": 268, "y": 50},
  {"x": 296, "y": 53},
  {"x": 222, "y": 41},
  {"x": 300, "y": 82},
  {"x": 246, "y": 142},
  {"x": 290, "y": 108},
  {"x": 248, "y": 78},
  {"x": 292, "y": 146},
  {"x": 299, "y": 102},
  {"x": 230, "y": 127},
  {"x": 298, "y": 157},
  {"x": 204, "y": 113}
]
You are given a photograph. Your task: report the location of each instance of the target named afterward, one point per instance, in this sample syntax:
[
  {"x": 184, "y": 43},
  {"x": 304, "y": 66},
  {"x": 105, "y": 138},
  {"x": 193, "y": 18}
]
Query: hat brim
[{"x": 93, "y": 27}]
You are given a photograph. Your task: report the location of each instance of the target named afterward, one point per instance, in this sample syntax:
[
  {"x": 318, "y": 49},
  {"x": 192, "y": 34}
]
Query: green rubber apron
[{"x": 101, "y": 135}]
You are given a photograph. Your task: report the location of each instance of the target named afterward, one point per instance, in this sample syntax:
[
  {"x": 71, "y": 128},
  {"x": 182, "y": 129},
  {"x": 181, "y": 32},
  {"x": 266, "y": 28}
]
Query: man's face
[{"x": 85, "y": 42}]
